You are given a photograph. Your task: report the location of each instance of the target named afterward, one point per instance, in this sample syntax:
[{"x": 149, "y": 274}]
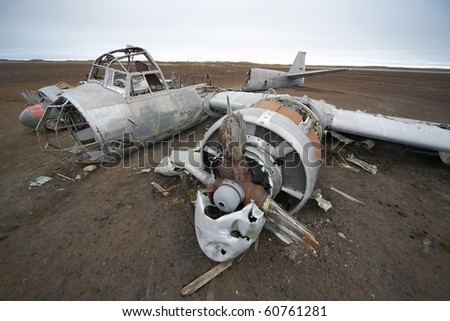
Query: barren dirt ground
[{"x": 112, "y": 236}]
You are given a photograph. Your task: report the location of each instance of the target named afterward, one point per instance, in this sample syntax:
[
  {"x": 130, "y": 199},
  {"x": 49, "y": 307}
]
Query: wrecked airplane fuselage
[
  {"x": 258, "y": 175},
  {"x": 258, "y": 79},
  {"x": 124, "y": 102}
]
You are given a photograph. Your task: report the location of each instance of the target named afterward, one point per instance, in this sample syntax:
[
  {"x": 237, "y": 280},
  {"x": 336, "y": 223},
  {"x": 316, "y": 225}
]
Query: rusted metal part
[
  {"x": 237, "y": 171},
  {"x": 254, "y": 193},
  {"x": 296, "y": 116},
  {"x": 283, "y": 110},
  {"x": 232, "y": 138},
  {"x": 312, "y": 135}
]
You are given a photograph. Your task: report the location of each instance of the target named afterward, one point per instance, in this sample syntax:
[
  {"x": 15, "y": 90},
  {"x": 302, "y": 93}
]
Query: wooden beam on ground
[{"x": 205, "y": 278}]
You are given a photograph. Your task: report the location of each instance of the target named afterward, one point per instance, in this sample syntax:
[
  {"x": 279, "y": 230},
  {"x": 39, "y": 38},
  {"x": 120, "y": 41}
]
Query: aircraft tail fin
[{"x": 298, "y": 65}]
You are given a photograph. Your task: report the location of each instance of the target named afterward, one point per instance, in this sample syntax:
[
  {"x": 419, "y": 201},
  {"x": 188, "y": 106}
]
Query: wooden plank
[
  {"x": 290, "y": 227},
  {"x": 205, "y": 278},
  {"x": 160, "y": 189}
]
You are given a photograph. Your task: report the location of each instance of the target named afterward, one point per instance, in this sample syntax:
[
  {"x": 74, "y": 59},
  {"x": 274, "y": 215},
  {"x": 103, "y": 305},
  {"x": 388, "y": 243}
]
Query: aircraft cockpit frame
[{"x": 129, "y": 71}]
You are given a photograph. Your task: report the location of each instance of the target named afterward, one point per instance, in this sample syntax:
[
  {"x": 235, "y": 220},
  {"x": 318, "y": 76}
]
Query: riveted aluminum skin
[{"x": 228, "y": 236}]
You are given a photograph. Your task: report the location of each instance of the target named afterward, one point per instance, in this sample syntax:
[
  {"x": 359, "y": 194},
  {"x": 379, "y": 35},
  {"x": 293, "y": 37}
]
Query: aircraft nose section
[{"x": 31, "y": 115}]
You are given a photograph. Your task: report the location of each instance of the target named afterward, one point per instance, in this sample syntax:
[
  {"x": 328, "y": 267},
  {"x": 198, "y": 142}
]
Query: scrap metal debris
[
  {"x": 181, "y": 161},
  {"x": 342, "y": 235},
  {"x": 90, "y": 168},
  {"x": 166, "y": 167},
  {"x": 351, "y": 198},
  {"x": 144, "y": 171},
  {"x": 347, "y": 166},
  {"x": 41, "y": 180},
  {"x": 365, "y": 166},
  {"x": 367, "y": 143},
  {"x": 445, "y": 157},
  {"x": 324, "y": 204},
  {"x": 32, "y": 97}
]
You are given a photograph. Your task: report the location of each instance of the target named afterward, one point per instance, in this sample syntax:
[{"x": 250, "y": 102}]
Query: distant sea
[
  {"x": 433, "y": 59},
  {"x": 404, "y": 59}
]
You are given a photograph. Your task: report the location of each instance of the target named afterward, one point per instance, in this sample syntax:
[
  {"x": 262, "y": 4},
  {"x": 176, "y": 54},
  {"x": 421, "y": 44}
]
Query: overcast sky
[{"x": 414, "y": 32}]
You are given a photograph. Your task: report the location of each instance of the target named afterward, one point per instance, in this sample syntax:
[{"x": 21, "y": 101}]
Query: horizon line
[{"x": 356, "y": 64}]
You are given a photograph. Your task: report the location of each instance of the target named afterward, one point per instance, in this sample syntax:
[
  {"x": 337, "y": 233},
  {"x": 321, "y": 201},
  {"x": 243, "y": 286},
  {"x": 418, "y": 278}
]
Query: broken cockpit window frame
[
  {"x": 145, "y": 83},
  {"x": 129, "y": 71},
  {"x": 64, "y": 128}
]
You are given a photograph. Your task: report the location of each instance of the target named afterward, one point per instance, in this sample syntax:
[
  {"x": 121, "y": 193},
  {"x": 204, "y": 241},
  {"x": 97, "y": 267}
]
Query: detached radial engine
[{"x": 260, "y": 158}]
